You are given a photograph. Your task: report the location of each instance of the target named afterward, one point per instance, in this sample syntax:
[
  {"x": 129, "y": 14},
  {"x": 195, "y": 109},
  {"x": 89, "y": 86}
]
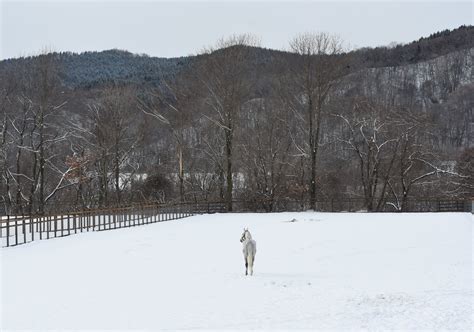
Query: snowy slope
[{"x": 322, "y": 271}]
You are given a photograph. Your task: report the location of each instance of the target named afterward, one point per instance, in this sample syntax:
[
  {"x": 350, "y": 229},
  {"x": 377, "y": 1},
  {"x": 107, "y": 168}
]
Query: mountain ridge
[{"x": 94, "y": 68}]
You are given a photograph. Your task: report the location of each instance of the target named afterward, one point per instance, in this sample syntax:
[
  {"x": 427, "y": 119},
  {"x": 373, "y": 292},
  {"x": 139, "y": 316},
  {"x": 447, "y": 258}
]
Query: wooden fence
[
  {"x": 16, "y": 230},
  {"x": 332, "y": 205},
  {"x": 21, "y": 229}
]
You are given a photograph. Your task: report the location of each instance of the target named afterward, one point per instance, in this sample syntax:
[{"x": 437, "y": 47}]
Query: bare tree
[
  {"x": 224, "y": 74},
  {"x": 371, "y": 137},
  {"x": 114, "y": 137},
  {"x": 8, "y": 85},
  {"x": 465, "y": 167},
  {"x": 267, "y": 152},
  {"x": 174, "y": 106},
  {"x": 38, "y": 172},
  {"x": 314, "y": 74}
]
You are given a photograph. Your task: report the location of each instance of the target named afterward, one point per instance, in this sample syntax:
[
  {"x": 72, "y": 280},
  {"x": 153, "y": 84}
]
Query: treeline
[
  {"x": 94, "y": 69},
  {"x": 240, "y": 122},
  {"x": 424, "y": 49}
]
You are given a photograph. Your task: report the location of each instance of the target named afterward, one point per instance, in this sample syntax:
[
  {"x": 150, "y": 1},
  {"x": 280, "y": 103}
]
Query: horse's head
[{"x": 245, "y": 235}]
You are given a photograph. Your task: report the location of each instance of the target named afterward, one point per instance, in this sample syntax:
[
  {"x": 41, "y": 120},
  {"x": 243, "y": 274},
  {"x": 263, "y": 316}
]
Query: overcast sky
[{"x": 179, "y": 28}]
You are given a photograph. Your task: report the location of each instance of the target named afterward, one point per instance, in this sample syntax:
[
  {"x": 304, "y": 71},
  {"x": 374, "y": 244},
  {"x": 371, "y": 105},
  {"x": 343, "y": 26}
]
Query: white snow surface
[{"x": 312, "y": 271}]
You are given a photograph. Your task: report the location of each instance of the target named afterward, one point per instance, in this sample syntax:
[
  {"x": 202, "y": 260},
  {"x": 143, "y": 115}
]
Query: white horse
[{"x": 249, "y": 249}]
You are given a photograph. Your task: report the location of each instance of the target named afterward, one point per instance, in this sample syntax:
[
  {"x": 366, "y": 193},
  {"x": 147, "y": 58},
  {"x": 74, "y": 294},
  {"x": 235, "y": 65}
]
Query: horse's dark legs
[{"x": 246, "y": 266}]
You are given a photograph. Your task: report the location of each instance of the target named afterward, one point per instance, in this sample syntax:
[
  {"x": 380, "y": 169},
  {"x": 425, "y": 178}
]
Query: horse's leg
[
  {"x": 251, "y": 264},
  {"x": 246, "y": 265}
]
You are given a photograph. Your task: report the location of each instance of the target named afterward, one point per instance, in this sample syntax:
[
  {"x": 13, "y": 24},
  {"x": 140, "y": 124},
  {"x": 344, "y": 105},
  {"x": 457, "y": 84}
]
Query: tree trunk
[
  {"x": 117, "y": 173},
  {"x": 229, "y": 188},
  {"x": 41, "y": 162},
  {"x": 312, "y": 148},
  {"x": 181, "y": 173}
]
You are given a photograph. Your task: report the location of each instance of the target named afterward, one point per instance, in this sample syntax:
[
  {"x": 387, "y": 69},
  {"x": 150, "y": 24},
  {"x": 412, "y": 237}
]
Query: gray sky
[{"x": 179, "y": 28}]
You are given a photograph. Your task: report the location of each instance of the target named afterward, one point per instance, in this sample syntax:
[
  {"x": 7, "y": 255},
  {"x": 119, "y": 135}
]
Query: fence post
[
  {"x": 8, "y": 230},
  {"x": 23, "y": 228},
  {"x": 48, "y": 226},
  {"x": 69, "y": 223},
  {"x": 137, "y": 215},
  {"x": 62, "y": 224},
  {"x": 55, "y": 225},
  {"x": 40, "y": 224},
  {"x": 136, "y": 212},
  {"x": 16, "y": 231},
  {"x": 32, "y": 229},
  {"x": 74, "y": 223}
]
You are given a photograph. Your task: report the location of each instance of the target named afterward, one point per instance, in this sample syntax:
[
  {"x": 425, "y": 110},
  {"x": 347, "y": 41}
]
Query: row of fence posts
[{"x": 16, "y": 230}]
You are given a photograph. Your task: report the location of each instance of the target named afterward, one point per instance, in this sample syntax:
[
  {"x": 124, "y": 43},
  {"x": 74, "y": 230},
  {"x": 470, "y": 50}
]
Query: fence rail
[
  {"x": 332, "y": 205},
  {"x": 16, "y": 230},
  {"x": 21, "y": 229}
]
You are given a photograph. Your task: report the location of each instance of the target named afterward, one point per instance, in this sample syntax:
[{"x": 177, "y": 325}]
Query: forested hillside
[
  {"x": 91, "y": 69},
  {"x": 388, "y": 125}
]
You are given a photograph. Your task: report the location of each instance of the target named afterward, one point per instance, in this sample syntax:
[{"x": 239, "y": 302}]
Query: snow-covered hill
[{"x": 312, "y": 271}]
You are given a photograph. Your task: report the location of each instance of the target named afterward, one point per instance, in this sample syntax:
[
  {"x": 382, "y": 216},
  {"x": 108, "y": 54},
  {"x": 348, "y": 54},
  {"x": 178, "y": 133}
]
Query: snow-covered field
[{"x": 312, "y": 271}]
